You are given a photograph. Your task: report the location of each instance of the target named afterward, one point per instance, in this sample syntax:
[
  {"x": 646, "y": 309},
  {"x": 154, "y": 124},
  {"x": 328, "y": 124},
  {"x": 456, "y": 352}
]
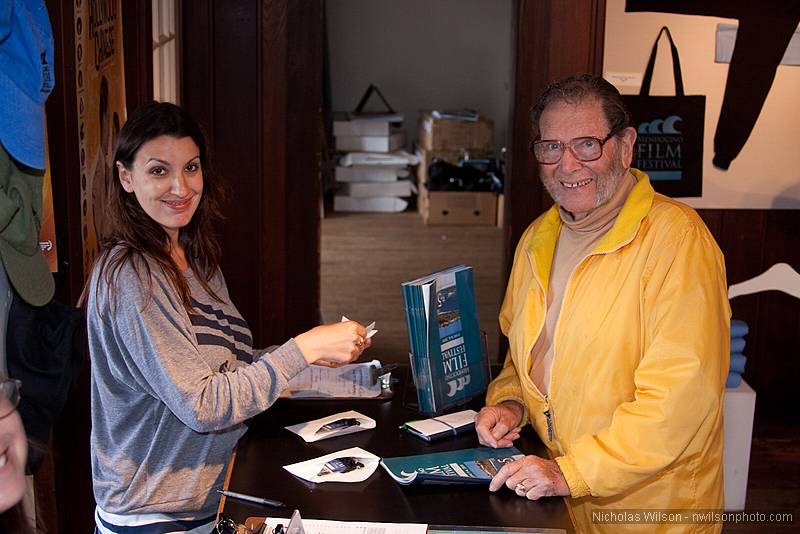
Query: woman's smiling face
[{"x": 167, "y": 180}]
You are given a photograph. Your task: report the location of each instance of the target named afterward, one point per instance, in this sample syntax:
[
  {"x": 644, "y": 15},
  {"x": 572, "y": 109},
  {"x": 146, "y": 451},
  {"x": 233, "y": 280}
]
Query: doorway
[{"x": 449, "y": 54}]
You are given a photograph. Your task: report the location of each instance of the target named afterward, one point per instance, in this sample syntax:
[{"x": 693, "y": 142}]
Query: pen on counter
[{"x": 250, "y": 498}]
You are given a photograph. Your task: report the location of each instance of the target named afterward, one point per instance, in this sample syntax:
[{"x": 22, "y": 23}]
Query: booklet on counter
[
  {"x": 442, "y": 426},
  {"x": 465, "y": 466}
]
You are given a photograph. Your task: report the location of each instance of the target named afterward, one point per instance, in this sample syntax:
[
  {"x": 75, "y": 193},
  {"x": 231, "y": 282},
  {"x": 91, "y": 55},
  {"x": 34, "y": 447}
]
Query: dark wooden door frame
[
  {"x": 252, "y": 77},
  {"x": 63, "y": 486},
  {"x": 555, "y": 38},
  {"x": 275, "y": 281}
]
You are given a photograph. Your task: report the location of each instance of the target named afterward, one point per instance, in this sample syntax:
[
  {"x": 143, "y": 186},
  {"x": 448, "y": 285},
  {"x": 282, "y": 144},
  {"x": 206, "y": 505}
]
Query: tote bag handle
[{"x": 676, "y": 66}]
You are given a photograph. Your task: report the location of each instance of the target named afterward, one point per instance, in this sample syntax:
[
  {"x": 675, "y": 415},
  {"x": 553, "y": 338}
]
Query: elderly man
[{"x": 618, "y": 326}]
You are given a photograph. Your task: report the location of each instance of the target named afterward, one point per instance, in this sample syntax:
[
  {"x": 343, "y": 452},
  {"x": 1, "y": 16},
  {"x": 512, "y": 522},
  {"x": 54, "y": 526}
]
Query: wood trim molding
[
  {"x": 555, "y": 39},
  {"x": 255, "y": 85}
]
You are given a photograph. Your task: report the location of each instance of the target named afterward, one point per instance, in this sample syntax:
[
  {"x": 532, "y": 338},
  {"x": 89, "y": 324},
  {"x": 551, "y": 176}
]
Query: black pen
[{"x": 250, "y": 498}]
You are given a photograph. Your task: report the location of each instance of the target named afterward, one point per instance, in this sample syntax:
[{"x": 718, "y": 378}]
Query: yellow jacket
[{"x": 641, "y": 353}]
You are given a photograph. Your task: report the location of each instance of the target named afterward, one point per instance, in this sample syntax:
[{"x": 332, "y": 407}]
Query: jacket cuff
[{"x": 577, "y": 486}]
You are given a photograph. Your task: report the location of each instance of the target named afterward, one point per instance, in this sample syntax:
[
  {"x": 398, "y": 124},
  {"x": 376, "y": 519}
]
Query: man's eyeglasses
[
  {"x": 9, "y": 396},
  {"x": 550, "y": 151}
]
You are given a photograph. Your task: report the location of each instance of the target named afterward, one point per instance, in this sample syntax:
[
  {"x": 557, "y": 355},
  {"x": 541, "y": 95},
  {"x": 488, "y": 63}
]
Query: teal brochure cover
[
  {"x": 454, "y": 345},
  {"x": 465, "y": 466},
  {"x": 446, "y": 350}
]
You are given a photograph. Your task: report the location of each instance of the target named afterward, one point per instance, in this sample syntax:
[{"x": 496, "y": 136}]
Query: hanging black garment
[
  {"x": 765, "y": 28},
  {"x": 44, "y": 349}
]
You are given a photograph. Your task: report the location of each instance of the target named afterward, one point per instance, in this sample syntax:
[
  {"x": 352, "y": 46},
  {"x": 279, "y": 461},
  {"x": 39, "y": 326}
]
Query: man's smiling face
[{"x": 580, "y": 186}]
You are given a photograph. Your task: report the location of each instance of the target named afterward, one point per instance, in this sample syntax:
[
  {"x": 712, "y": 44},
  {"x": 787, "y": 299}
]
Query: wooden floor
[{"x": 365, "y": 258}]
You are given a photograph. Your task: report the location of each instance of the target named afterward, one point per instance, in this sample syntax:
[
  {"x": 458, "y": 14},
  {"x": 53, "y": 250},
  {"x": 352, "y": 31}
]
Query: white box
[
  {"x": 398, "y": 188},
  {"x": 371, "y": 143},
  {"x": 379, "y": 204},
  {"x": 394, "y": 159},
  {"x": 370, "y": 173},
  {"x": 382, "y": 125},
  {"x": 740, "y": 407}
]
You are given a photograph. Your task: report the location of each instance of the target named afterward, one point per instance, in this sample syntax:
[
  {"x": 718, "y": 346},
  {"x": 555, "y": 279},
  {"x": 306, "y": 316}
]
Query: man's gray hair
[{"x": 577, "y": 89}]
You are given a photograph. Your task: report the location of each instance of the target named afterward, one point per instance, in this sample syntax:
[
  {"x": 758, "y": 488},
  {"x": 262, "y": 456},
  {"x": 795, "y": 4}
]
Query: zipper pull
[{"x": 549, "y": 417}]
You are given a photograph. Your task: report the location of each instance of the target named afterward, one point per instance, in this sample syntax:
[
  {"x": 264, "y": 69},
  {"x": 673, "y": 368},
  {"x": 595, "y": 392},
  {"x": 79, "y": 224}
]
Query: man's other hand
[
  {"x": 531, "y": 477},
  {"x": 498, "y": 425}
]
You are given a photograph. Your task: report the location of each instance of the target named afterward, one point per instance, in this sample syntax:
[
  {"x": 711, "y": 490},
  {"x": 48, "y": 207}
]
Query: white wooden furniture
[{"x": 740, "y": 405}]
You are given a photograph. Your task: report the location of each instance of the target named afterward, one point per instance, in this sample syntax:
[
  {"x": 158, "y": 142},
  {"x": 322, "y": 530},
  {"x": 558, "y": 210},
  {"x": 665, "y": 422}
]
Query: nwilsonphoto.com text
[{"x": 653, "y": 516}]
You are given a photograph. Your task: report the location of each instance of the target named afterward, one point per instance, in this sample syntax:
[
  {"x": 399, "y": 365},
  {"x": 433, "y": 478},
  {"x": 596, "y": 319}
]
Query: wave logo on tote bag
[{"x": 659, "y": 149}]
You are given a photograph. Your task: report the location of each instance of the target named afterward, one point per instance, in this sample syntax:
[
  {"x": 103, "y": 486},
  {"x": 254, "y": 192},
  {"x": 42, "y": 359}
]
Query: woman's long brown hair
[{"x": 139, "y": 239}]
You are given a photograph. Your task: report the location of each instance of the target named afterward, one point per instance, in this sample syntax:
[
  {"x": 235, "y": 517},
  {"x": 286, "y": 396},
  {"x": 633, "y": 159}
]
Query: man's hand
[
  {"x": 531, "y": 477},
  {"x": 498, "y": 425}
]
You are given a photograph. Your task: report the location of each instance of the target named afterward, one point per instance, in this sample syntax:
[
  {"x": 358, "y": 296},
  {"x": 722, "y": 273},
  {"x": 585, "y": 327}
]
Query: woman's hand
[
  {"x": 498, "y": 425},
  {"x": 531, "y": 477},
  {"x": 334, "y": 344}
]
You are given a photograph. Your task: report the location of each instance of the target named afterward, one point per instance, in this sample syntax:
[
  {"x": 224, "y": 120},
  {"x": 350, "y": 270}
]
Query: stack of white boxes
[{"x": 371, "y": 176}]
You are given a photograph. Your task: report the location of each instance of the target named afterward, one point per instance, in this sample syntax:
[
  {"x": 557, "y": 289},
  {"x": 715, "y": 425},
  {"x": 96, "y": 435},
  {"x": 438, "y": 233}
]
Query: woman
[
  {"x": 13, "y": 453},
  {"x": 174, "y": 374}
]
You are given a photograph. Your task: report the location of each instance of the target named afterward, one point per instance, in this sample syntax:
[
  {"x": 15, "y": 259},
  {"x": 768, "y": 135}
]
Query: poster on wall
[{"x": 100, "y": 79}]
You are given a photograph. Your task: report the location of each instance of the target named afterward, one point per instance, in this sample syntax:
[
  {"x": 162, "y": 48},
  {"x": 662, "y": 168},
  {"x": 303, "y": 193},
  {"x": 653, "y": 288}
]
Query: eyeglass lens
[{"x": 583, "y": 148}]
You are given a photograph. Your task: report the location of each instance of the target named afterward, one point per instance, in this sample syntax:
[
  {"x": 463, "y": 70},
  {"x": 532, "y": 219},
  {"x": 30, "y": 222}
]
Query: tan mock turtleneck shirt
[{"x": 576, "y": 241}]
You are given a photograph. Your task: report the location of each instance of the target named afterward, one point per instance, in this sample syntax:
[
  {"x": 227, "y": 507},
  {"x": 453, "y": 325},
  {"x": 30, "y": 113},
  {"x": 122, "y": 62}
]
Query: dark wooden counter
[{"x": 257, "y": 470}]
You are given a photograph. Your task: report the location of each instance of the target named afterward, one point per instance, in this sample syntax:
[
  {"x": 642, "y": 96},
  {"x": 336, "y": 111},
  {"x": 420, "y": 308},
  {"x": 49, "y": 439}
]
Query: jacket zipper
[
  {"x": 549, "y": 415},
  {"x": 552, "y": 436}
]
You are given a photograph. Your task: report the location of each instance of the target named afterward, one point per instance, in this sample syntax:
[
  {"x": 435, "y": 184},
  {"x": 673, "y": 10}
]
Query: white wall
[
  {"x": 766, "y": 174},
  {"x": 423, "y": 54}
]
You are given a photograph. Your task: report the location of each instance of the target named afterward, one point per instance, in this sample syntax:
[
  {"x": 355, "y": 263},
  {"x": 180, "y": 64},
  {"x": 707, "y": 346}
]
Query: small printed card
[
  {"x": 338, "y": 424},
  {"x": 443, "y": 426},
  {"x": 349, "y": 465},
  {"x": 371, "y": 330}
]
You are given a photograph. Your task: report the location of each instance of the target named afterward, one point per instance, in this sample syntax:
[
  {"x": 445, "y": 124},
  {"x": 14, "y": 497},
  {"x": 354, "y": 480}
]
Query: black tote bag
[{"x": 669, "y": 144}]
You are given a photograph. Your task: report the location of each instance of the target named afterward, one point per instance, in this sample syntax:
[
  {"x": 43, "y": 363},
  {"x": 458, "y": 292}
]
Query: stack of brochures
[{"x": 447, "y": 358}]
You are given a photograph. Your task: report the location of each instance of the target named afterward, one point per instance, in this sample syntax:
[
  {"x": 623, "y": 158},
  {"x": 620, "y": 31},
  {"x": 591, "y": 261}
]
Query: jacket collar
[{"x": 541, "y": 244}]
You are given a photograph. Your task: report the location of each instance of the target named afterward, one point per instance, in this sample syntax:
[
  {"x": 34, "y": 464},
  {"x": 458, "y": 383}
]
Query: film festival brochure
[
  {"x": 446, "y": 350},
  {"x": 465, "y": 466}
]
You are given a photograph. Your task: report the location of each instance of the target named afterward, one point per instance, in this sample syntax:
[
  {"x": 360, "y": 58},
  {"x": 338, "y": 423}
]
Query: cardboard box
[
  {"x": 446, "y": 134},
  {"x": 379, "y": 125},
  {"x": 450, "y": 156},
  {"x": 457, "y": 207},
  {"x": 370, "y": 173},
  {"x": 371, "y": 143},
  {"x": 398, "y": 188},
  {"x": 374, "y": 204}
]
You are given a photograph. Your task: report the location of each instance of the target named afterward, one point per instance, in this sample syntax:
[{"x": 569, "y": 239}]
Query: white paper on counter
[
  {"x": 309, "y": 470},
  {"x": 353, "y": 380},
  {"x": 311, "y": 431},
  {"x": 324, "y": 526}
]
